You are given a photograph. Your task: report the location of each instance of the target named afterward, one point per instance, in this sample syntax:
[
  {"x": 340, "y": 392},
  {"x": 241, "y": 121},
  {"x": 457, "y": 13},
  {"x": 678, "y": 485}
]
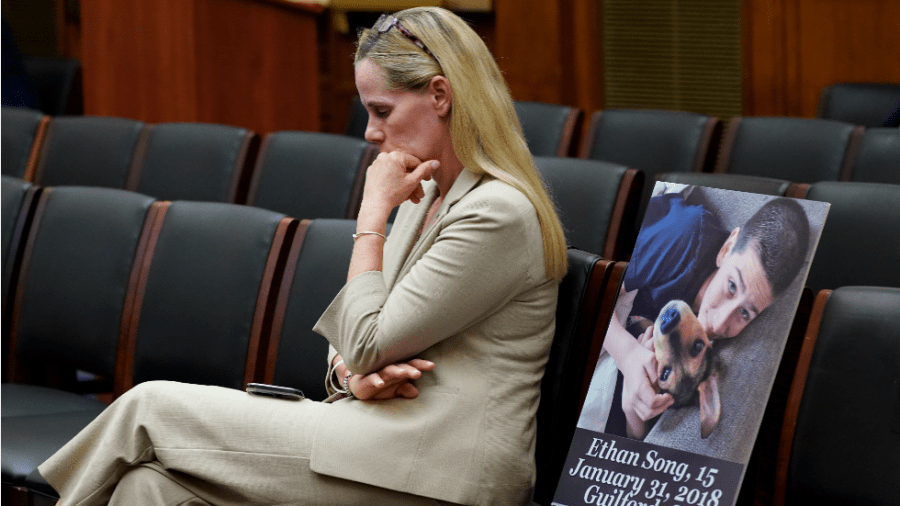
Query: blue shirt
[{"x": 674, "y": 254}]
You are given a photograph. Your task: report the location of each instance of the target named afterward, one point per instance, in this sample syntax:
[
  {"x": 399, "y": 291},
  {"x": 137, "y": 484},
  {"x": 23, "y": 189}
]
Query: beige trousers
[{"x": 165, "y": 443}]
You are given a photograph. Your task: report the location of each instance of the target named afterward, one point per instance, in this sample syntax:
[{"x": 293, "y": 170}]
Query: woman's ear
[
  {"x": 727, "y": 246},
  {"x": 441, "y": 94}
]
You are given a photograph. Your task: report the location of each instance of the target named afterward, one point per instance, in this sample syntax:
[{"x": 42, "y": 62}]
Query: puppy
[{"x": 686, "y": 366}]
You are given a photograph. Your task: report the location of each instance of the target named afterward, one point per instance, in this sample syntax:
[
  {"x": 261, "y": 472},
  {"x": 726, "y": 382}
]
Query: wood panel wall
[
  {"x": 239, "y": 62},
  {"x": 793, "y": 48}
]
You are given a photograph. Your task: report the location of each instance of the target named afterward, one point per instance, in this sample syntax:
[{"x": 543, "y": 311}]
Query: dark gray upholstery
[
  {"x": 30, "y": 440},
  {"x": 195, "y": 323},
  {"x": 587, "y": 194},
  {"x": 736, "y": 182},
  {"x": 801, "y": 150},
  {"x": 17, "y": 199},
  {"x": 860, "y": 244},
  {"x": 878, "y": 157},
  {"x": 866, "y": 104},
  {"x": 193, "y": 161},
  {"x": 19, "y": 128},
  {"x": 88, "y": 151},
  {"x": 653, "y": 141},
  {"x": 319, "y": 273},
  {"x": 549, "y": 128},
  {"x": 310, "y": 174},
  {"x": 846, "y": 446},
  {"x": 75, "y": 275},
  {"x": 564, "y": 374}
]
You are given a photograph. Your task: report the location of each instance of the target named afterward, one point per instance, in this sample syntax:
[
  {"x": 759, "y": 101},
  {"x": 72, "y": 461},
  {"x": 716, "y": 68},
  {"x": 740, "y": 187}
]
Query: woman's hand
[
  {"x": 394, "y": 178},
  {"x": 392, "y": 381}
]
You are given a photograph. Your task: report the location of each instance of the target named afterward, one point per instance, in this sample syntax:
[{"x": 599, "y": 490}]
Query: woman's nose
[{"x": 374, "y": 134}]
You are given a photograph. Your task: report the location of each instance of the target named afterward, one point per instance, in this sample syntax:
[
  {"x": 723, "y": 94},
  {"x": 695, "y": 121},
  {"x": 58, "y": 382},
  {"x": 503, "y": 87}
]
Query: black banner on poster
[
  {"x": 606, "y": 470},
  {"x": 692, "y": 349}
]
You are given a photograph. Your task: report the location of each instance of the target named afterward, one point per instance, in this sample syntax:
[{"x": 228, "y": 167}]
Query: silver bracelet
[
  {"x": 358, "y": 234},
  {"x": 347, "y": 386}
]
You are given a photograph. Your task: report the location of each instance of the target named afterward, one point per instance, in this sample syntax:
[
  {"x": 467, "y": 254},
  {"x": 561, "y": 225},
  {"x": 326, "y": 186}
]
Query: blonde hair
[{"x": 487, "y": 136}]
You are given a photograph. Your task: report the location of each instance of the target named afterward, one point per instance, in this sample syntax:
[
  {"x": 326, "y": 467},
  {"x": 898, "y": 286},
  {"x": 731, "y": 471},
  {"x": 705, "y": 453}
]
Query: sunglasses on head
[{"x": 383, "y": 25}]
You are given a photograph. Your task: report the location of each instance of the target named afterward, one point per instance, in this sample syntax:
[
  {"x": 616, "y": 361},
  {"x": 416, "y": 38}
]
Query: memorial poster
[{"x": 691, "y": 353}]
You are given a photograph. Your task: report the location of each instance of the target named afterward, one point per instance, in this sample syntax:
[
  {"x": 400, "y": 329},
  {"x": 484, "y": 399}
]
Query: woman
[{"x": 439, "y": 338}]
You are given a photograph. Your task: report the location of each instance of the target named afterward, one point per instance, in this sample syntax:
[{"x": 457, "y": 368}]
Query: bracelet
[
  {"x": 358, "y": 234},
  {"x": 347, "y": 386},
  {"x": 331, "y": 377}
]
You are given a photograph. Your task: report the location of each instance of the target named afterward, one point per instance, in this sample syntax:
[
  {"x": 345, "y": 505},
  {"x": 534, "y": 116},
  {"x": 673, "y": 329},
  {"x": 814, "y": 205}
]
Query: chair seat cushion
[
  {"x": 30, "y": 400},
  {"x": 30, "y": 440}
]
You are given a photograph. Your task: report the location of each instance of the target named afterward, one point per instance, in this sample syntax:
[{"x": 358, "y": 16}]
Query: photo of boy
[{"x": 697, "y": 246}]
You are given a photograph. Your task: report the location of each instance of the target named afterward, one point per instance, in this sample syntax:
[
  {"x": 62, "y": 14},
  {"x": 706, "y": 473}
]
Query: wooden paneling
[
  {"x": 239, "y": 62},
  {"x": 793, "y": 48}
]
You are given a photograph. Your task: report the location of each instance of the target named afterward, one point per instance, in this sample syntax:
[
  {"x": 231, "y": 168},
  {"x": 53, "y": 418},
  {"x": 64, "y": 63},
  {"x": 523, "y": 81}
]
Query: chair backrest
[
  {"x": 597, "y": 202},
  {"x": 859, "y": 244},
  {"x": 878, "y": 157},
  {"x": 549, "y": 128},
  {"x": 736, "y": 182},
  {"x": 315, "y": 273},
  {"x": 57, "y": 82},
  {"x": 23, "y": 133},
  {"x": 203, "y": 294},
  {"x": 194, "y": 161},
  {"x": 866, "y": 104},
  {"x": 77, "y": 277},
  {"x": 802, "y": 150},
  {"x": 357, "y": 119},
  {"x": 840, "y": 441},
  {"x": 310, "y": 174},
  {"x": 580, "y": 294},
  {"x": 88, "y": 151},
  {"x": 18, "y": 196},
  {"x": 653, "y": 141}
]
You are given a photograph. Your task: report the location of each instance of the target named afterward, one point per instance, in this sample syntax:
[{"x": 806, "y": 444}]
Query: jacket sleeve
[{"x": 488, "y": 251}]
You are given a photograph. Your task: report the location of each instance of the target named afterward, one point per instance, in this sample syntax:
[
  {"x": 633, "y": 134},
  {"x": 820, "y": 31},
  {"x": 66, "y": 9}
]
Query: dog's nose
[{"x": 669, "y": 320}]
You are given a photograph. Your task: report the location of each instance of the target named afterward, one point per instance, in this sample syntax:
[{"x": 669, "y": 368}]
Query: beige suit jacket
[{"x": 472, "y": 296}]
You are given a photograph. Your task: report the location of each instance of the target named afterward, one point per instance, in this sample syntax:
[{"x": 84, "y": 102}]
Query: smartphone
[{"x": 279, "y": 392}]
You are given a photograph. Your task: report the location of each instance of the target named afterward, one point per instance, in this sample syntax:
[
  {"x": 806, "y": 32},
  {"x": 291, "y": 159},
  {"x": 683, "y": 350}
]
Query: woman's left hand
[{"x": 393, "y": 381}]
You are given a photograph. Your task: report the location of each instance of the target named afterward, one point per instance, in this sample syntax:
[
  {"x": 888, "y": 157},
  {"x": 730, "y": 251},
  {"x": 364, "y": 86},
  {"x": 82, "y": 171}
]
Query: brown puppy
[{"x": 685, "y": 362}]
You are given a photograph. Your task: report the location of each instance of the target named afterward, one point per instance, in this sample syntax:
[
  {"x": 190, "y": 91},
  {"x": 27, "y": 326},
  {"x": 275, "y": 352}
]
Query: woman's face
[
  {"x": 400, "y": 120},
  {"x": 736, "y": 292}
]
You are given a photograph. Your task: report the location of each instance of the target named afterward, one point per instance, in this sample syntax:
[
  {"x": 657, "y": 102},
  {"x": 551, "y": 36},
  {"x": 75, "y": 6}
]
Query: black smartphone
[{"x": 287, "y": 393}]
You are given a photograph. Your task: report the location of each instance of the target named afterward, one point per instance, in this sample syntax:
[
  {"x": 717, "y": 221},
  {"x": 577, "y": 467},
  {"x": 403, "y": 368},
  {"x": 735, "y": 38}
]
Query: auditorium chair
[
  {"x": 70, "y": 309},
  {"x": 23, "y": 133},
  {"x": 859, "y": 244},
  {"x": 549, "y": 128},
  {"x": 840, "y": 440},
  {"x": 88, "y": 151},
  {"x": 57, "y": 82},
  {"x": 866, "y": 104},
  {"x": 18, "y": 196},
  {"x": 310, "y": 174},
  {"x": 597, "y": 202},
  {"x": 194, "y": 161},
  {"x": 735, "y": 182},
  {"x": 202, "y": 298},
  {"x": 878, "y": 157},
  {"x": 316, "y": 271},
  {"x": 582, "y": 314},
  {"x": 802, "y": 150},
  {"x": 652, "y": 141}
]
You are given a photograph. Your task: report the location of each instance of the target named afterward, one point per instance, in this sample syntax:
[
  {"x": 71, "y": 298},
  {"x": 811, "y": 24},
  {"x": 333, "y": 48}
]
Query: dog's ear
[{"x": 710, "y": 405}]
